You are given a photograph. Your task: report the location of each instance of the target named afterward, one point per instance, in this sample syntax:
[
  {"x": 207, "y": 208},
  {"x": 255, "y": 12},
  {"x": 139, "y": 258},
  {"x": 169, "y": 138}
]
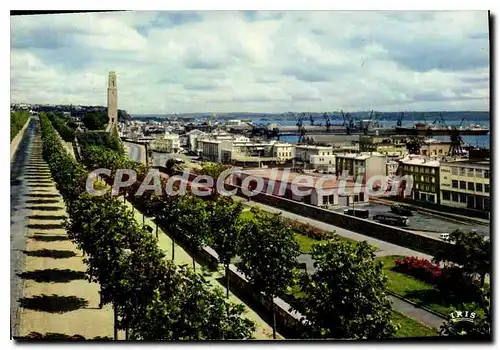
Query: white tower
[{"x": 112, "y": 103}]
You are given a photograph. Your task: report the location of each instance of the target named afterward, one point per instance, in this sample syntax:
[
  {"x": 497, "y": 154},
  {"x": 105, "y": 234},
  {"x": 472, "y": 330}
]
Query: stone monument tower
[{"x": 112, "y": 103}]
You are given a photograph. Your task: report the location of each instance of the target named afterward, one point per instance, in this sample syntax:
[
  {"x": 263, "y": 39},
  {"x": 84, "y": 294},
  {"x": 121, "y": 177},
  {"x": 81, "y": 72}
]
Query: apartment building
[
  {"x": 170, "y": 143},
  {"x": 323, "y": 163},
  {"x": 425, "y": 175},
  {"x": 304, "y": 152},
  {"x": 366, "y": 164},
  {"x": 282, "y": 151},
  {"x": 466, "y": 184},
  {"x": 192, "y": 139}
]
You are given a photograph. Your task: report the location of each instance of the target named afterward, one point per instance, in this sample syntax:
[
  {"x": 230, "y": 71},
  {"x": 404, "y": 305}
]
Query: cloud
[{"x": 261, "y": 61}]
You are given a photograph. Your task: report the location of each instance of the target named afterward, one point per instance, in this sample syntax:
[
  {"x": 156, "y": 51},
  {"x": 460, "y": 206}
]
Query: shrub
[
  {"x": 456, "y": 284},
  {"x": 423, "y": 269}
]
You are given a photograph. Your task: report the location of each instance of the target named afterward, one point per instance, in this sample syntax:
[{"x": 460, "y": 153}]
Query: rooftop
[
  {"x": 459, "y": 162},
  {"x": 308, "y": 180},
  {"x": 360, "y": 156}
]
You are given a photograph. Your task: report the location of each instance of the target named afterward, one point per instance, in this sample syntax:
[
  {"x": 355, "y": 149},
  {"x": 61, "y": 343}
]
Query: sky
[{"x": 255, "y": 61}]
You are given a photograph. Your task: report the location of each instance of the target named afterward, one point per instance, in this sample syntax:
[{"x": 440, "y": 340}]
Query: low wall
[
  {"x": 395, "y": 235},
  {"x": 14, "y": 144}
]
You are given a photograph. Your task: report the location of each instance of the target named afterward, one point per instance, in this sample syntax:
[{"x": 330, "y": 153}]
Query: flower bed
[
  {"x": 309, "y": 230},
  {"x": 422, "y": 269}
]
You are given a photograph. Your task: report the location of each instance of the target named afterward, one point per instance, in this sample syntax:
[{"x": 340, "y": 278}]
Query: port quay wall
[{"x": 377, "y": 230}]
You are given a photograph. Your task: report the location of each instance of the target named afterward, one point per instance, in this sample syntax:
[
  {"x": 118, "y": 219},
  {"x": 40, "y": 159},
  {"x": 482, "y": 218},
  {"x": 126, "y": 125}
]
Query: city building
[
  {"x": 323, "y": 163},
  {"x": 425, "y": 176},
  {"x": 466, "y": 184},
  {"x": 192, "y": 139},
  {"x": 366, "y": 164},
  {"x": 434, "y": 148},
  {"x": 170, "y": 143},
  {"x": 324, "y": 192},
  {"x": 282, "y": 151},
  {"x": 304, "y": 152}
]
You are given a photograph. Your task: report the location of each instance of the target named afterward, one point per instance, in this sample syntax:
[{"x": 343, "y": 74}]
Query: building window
[
  {"x": 479, "y": 173},
  {"x": 486, "y": 188},
  {"x": 486, "y": 174},
  {"x": 411, "y": 168},
  {"x": 454, "y": 196},
  {"x": 417, "y": 186},
  {"x": 426, "y": 187},
  {"x": 463, "y": 198},
  {"x": 470, "y": 186},
  {"x": 433, "y": 171},
  {"x": 454, "y": 183},
  {"x": 470, "y": 172},
  {"x": 446, "y": 195},
  {"x": 440, "y": 151},
  {"x": 463, "y": 185},
  {"x": 454, "y": 171},
  {"x": 430, "y": 197},
  {"x": 433, "y": 188},
  {"x": 479, "y": 187}
]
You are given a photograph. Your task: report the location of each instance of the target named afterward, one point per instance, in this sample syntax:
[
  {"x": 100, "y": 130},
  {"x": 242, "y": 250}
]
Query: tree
[
  {"x": 214, "y": 170},
  {"x": 226, "y": 227},
  {"x": 192, "y": 222},
  {"x": 346, "y": 296},
  {"x": 268, "y": 256},
  {"x": 470, "y": 250},
  {"x": 194, "y": 311},
  {"x": 95, "y": 120},
  {"x": 477, "y": 326}
]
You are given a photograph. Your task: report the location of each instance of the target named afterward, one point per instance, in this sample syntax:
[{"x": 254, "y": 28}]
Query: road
[
  {"x": 18, "y": 220},
  {"x": 425, "y": 222},
  {"x": 385, "y": 248}
]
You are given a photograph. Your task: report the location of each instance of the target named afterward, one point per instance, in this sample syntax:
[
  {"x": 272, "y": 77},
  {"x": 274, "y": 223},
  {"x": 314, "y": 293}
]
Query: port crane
[
  {"x": 400, "y": 120},
  {"x": 327, "y": 121},
  {"x": 300, "y": 125}
]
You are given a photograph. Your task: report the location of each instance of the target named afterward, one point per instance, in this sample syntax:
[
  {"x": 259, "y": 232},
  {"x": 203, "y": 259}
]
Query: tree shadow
[
  {"x": 42, "y": 201},
  {"x": 53, "y": 275},
  {"x": 53, "y": 303},
  {"x": 427, "y": 297},
  {"x": 35, "y": 336},
  {"x": 43, "y": 195},
  {"x": 39, "y": 185},
  {"x": 50, "y": 253},
  {"x": 15, "y": 182},
  {"x": 49, "y": 238},
  {"x": 45, "y": 226},
  {"x": 45, "y": 208},
  {"x": 47, "y": 217},
  {"x": 37, "y": 178}
]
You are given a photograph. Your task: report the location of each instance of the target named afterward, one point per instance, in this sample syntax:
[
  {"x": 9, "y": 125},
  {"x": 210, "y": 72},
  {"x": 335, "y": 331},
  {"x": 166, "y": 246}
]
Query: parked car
[
  {"x": 444, "y": 236},
  {"x": 401, "y": 210},
  {"x": 359, "y": 213},
  {"x": 392, "y": 219}
]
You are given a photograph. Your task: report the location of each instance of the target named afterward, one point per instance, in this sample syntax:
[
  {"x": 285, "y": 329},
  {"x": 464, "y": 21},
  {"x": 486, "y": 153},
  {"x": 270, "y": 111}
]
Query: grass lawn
[
  {"x": 422, "y": 293},
  {"x": 304, "y": 241},
  {"x": 408, "y": 327}
]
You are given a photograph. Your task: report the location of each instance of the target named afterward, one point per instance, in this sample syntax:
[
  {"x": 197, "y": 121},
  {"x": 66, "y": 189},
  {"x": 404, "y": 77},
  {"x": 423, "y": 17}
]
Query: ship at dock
[{"x": 423, "y": 129}]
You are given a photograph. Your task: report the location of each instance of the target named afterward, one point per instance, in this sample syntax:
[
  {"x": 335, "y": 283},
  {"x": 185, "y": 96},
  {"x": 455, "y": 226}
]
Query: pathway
[{"x": 50, "y": 293}]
